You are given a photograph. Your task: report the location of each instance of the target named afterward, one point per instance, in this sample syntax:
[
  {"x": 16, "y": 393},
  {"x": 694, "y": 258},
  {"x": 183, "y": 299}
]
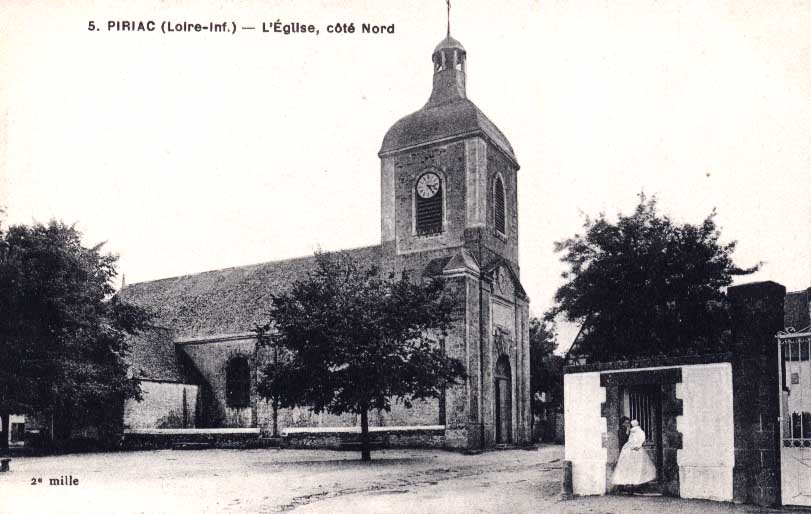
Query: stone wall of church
[
  {"x": 488, "y": 360},
  {"x": 210, "y": 359},
  {"x": 421, "y": 412},
  {"x": 457, "y": 345},
  {"x": 496, "y": 244},
  {"x": 473, "y": 384},
  {"x": 298, "y": 417},
  {"x": 505, "y": 332},
  {"x": 416, "y": 265},
  {"x": 164, "y": 405},
  {"x": 449, "y": 162},
  {"x": 524, "y": 401}
]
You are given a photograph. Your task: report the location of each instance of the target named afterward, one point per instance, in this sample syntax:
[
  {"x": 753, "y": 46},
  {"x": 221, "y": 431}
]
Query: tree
[
  {"x": 646, "y": 285},
  {"x": 62, "y": 333},
  {"x": 545, "y": 371},
  {"x": 351, "y": 341},
  {"x": 543, "y": 334},
  {"x": 546, "y": 368}
]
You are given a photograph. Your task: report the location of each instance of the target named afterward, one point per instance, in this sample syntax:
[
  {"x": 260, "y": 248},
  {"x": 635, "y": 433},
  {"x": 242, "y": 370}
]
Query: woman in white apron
[{"x": 634, "y": 466}]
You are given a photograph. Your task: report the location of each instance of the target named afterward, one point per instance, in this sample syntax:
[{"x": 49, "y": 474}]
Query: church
[{"x": 449, "y": 180}]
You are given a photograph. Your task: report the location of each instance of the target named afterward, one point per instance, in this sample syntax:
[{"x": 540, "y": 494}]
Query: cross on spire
[{"x": 449, "y": 16}]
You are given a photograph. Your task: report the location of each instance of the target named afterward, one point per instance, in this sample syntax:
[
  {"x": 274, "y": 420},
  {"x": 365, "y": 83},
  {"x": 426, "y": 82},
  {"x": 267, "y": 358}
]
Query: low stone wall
[
  {"x": 156, "y": 439},
  {"x": 339, "y": 438},
  {"x": 419, "y": 439}
]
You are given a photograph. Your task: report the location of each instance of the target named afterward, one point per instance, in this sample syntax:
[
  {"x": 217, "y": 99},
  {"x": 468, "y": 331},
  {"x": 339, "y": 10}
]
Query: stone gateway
[{"x": 449, "y": 208}]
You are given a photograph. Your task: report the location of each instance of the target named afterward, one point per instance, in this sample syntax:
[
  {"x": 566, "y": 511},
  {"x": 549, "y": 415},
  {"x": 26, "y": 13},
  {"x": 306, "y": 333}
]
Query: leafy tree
[
  {"x": 646, "y": 285},
  {"x": 62, "y": 333},
  {"x": 352, "y": 341},
  {"x": 546, "y": 368},
  {"x": 546, "y": 374},
  {"x": 543, "y": 334}
]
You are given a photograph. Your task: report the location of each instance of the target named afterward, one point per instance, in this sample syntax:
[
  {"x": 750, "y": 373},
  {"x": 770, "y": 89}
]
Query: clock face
[{"x": 428, "y": 185}]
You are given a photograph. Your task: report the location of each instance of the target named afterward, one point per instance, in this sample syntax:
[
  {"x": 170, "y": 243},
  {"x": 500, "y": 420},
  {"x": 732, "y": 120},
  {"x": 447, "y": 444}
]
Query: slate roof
[
  {"x": 447, "y": 115},
  {"x": 462, "y": 260},
  {"x": 153, "y": 356},
  {"x": 449, "y": 42},
  {"x": 226, "y": 301},
  {"x": 446, "y": 120},
  {"x": 435, "y": 266},
  {"x": 795, "y": 307}
]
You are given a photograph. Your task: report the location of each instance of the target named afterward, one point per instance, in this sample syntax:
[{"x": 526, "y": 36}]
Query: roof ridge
[{"x": 246, "y": 266}]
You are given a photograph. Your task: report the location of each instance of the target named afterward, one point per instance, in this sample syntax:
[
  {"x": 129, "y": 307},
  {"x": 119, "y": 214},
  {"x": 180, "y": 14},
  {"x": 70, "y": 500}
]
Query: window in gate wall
[{"x": 238, "y": 383}]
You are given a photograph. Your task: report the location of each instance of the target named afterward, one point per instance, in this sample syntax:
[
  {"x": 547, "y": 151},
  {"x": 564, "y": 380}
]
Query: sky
[{"x": 188, "y": 152}]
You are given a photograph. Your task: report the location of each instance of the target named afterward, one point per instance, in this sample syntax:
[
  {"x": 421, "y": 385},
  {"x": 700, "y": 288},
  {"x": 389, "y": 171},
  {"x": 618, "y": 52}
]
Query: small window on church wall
[
  {"x": 428, "y": 203},
  {"x": 500, "y": 208},
  {"x": 238, "y": 383}
]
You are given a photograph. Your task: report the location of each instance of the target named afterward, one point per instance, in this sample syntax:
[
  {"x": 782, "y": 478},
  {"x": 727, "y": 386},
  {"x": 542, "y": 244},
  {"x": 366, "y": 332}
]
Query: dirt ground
[{"x": 311, "y": 481}]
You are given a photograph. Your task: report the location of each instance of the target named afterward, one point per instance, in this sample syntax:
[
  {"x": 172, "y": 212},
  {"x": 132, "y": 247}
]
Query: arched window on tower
[
  {"x": 238, "y": 383},
  {"x": 428, "y": 200},
  {"x": 499, "y": 203}
]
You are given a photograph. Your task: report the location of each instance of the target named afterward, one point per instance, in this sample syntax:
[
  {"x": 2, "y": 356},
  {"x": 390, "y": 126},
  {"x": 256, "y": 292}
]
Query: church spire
[{"x": 449, "y": 59}]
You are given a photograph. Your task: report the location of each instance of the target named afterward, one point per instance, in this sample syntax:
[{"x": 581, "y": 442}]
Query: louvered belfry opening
[
  {"x": 500, "y": 214},
  {"x": 429, "y": 213}
]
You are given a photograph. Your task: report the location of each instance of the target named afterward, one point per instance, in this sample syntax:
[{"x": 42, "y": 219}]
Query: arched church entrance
[{"x": 503, "y": 377}]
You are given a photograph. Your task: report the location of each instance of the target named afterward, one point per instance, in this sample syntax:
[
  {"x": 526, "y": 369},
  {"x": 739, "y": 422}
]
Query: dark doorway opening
[
  {"x": 644, "y": 404},
  {"x": 503, "y": 392}
]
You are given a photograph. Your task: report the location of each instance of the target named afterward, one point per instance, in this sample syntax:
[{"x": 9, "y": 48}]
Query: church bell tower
[
  {"x": 449, "y": 208},
  {"x": 449, "y": 175}
]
